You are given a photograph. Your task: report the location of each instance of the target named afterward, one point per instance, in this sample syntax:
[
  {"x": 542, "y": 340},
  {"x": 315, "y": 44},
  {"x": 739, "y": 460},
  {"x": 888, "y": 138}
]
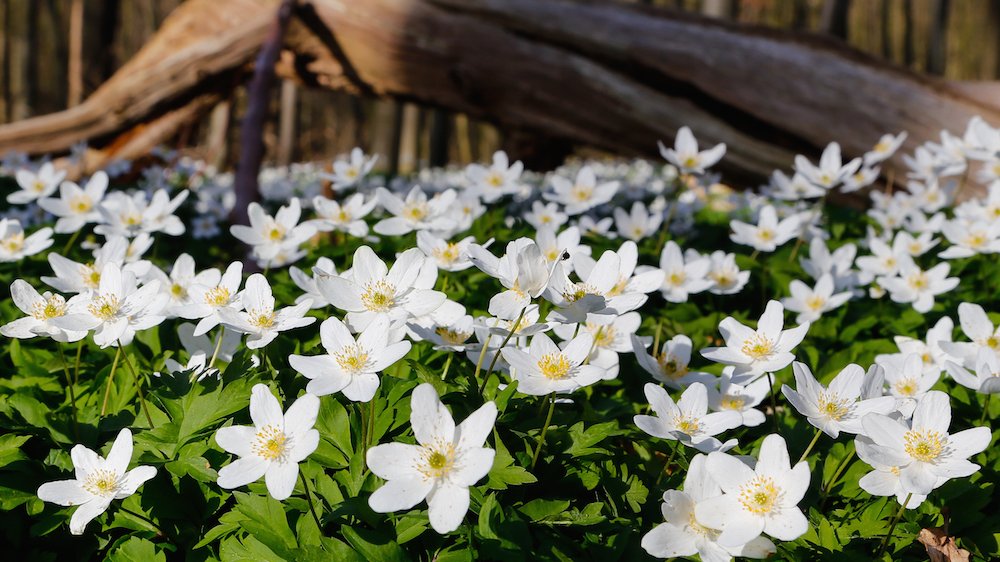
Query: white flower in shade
[
  {"x": 768, "y": 233},
  {"x": 208, "y": 300},
  {"x": 376, "y": 290},
  {"x": 347, "y": 217},
  {"x": 496, "y": 181},
  {"x": 916, "y": 286},
  {"x": 449, "y": 256},
  {"x": 860, "y": 179},
  {"x": 978, "y": 327},
  {"x": 349, "y": 366},
  {"x": 178, "y": 284},
  {"x": 637, "y": 224},
  {"x": 838, "y": 407},
  {"x": 986, "y": 378},
  {"x": 35, "y": 185},
  {"x": 683, "y": 535},
  {"x": 923, "y": 451},
  {"x": 582, "y": 194},
  {"x": 415, "y": 212},
  {"x": 931, "y": 351},
  {"x": 726, "y": 276},
  {"x": 838, "y": 263},
  {"x": 77, "y": 207},
  {"x": 15, "y": 246},
  {"x": 274, "y": 446},
  {"x": 907, "y": 380},
  {"x": 683, "y": 275},
  {"x": 545, "y": 215},
  {"x": 349, "y": 172},
  {"x": 270, "y": 236},
  {"x": 117, "y": 310},
  {"x": 740, "y": 399},
  {"x": 450, "y": 336},
  {"x": 41, "y": 309},
  {"x": 685, "y": 154},
  {"x": 523, "y": 270},
  {"x": 886, "y": 146},
  {"x": 970, "y": 238},
  {"x": 545, "y": 369},
  {"x": 73, "y": 277},
  {"x": 756, "y": 352},
  {"x": 831, "y": 171},
  {"x": 812, "y": 303},
  {"x": 98, "y": 481},
  {"x": 669, "y": 365},
  {"x": 758, "y": 499},
  {"x": 687, "y": 421},
  {"x": 440, "y": 468},
  {"x": 918, "y": 245},
  {"x": 258, "y": 318},
  {"x": 596, "y": 227}
]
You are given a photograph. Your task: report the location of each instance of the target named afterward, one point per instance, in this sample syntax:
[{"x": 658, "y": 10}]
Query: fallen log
[{"x": 613, "y": 76}]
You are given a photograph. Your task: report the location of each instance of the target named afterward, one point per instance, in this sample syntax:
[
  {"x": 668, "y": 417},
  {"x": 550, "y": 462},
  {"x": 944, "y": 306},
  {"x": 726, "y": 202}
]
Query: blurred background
[{"x": 54, "y": 53}]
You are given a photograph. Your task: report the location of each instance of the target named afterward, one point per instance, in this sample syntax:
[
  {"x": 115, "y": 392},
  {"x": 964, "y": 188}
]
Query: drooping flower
[
  {"x": 273, "y": 446},
  {"x": 523, "y": 270},
  {"x": 440, "y": 468},
  {"x": 98, "y": 481}
]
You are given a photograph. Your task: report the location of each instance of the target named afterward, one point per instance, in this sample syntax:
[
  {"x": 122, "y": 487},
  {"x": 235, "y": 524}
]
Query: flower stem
[
  {"x": 545, "y": 428},
  {"x": 447, "y": 365},
  {"x": 71, "y": 241},
  {"x": 218, "y": 344},
  {"x": 986, "y": 409},
  {"x": 892, "y": 526},
  {"x": 72, "y": 391},
  {"x": 111, "y": 377},
  {"x": 138, "y": 386},
  {"x": 666, "y": 465},
  {"x": 76, "y": 366},
  {"x": 824, "y": 491},
  {"x": 810, "y": 447},
  {"x": 774, "y": 403},
  {"x": 312, "y": 508},
  {"x": 510, "y": 334}
]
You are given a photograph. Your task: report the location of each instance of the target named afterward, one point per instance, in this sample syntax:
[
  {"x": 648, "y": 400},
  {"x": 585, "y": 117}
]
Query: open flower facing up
[
  {"x": 77, "y": 207},
  {"x": 923, "y": 451},
  {"x": 969, "y": 238},
  {"x": 684, "y": 535},
  {"x": 98, "y": 481},
  {"x": 348, "y": 216},
  {"x": 683, "y": 274},
  {"x": 375, "y": 290},
  {"x": 756, "y": 352},
  {"x": 688, "y": 420},
  {"x": 637, "y": 224},
  {"x": 907, "y": 380},
  {"x": 416, "y": 212},
  {"x": 349, "y": 366},
  {"x": 768, "y": 233},
  {"x": 496, "y": 181},
  {"x": 274, "y": 446},
  {"x": 838, "y": 407},
  {"x": 442, "y": 465},
  {"x": 74, "y": 277},
  {"x": 886, "y": 146},
  {"x": 612, "y": 335},
  {"x": 831, "y": 171},
  {"x": 449, "y": 256},
  {"x": 916, "y": 286},
  {"x": 759, "y": 499},
  {"x": 349, "y": 172},
  {"x": 41, "y": 309},
  {"x": 685, "y": 154},
  {"x": 812, "y": 303},
  {"x": 258, "y": 318},
  {"x": 35, "y": 185},
  {"x": 583, "y": 194},
  {"x": 544, "y": 368},
  {"x": 545, "y": 215},
  {"x": 270, "y": 236},
  {"x": 15, "y": 246},
  {"x": 669, "y": 364},
  {"x": 128, "y": 215},
  {"x": 208, "y": 300},
  {"x": 178, "y": 284},
  {"x": 726, "y": 276},
  {"x": 740, "y": 399}
]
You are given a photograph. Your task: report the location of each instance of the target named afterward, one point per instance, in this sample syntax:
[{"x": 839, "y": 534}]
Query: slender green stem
[
  {"x": 986, "y": 409},
  {"x": 836, "y": 473},
  {"x": 774, "y": 403},
  {"x": 810, "y": 447},
  {"x": 892, "y": 526},
  {"x": 447, "y": 365},
  {"x": 444, "y": 284},
  {"x": 670, "y": 459},
  {"x": 71, "y": 241},
  {"x": 72, "y": 391},
  {"x": 138, "y": 386},
  {"x": 218, "y": 345},
  {"x": 111, "y": 377},
  {"x": 545, "y": 428},
  {"x": 76, "y": 366},
  {"x": 510, "y": 334},
  {"x": 312, "y": 508}
]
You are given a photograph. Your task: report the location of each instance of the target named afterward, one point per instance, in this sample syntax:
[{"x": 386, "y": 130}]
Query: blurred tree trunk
[
  {"x": 20, "y": 26},
  {"x": 834, "y": 19},
  {"x": 75, "y": 79},
  {"x": 937, "y": 47}
]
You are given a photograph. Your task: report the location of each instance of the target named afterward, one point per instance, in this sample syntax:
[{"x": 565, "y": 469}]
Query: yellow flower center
[
  {"x": 451, "y": 337},
  {"x": 38, "y": 186},
  {"x": 765, "y": 234},
  {"x": 925, "y": 446},
  {"x": 91, "y": 277},
  {"x": 218, "y": 296},
  {"x": 448, "y": 254},
  {"x": 759, "y": 495},
  {"x": 815, "y": 302},
  {"x": 270, "y": 443},
  {"x": 101, "y": 483},
  {"x": 757, "y": 347},
  {"x": 604, "y": 336},
  {"x": 831, "y": 406},
  {"x": 379, "y": 296},
  {"x": 436, "y": 460},
  {"x": 275, "y": 233},
  {"x": 343, "y": 216},
  {"x": 14, "y": 242},
  {"x": 918, "y": 281},
  {"x": 178, "y": 291},
  {"x": 677, "y": 278},
  {"x": 554, "y": 366},
  {"x": 698, "y": 528},
  {"x": 975, "y": 240},
  {"x": 352, "y": 358},
  {"x": 581, "y": 193},
  {"x": 687, "y": 425},
  {"x": 730, "y": 402},
  {"x": 104, "y": 307},
  {"x": 262, "y": 319},
  {"x": 906, "y": 387},
  {"x": 52, "y": 307},
  {"x": 691, "y": 162},
  {"x": 415, "y": 211},
  {"x": 494, "y": 180},
  {"x": 671, "y": 366},
  {"x": 80, "y": 204},
  {"x": 915, "y": 248},
  {"x": 578, "y": 291}
]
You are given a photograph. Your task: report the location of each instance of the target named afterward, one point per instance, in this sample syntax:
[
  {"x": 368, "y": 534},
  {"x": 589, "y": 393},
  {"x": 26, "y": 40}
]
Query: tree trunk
[{"x": 612, "y": 76}]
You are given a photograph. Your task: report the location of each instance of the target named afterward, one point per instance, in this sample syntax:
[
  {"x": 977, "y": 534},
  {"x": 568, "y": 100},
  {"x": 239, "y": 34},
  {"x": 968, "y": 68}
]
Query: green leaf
[
  {"x": 10, "y": 448},
  {"x": 266, "y": 521},
  {"x": 136, "y": 549}
]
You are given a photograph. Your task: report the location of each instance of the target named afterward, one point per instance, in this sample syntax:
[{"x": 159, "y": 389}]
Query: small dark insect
[{"x": 565, "y": 255}]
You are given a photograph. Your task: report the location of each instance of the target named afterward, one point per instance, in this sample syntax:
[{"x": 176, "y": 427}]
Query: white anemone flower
[
  {"x": 545, "y": 214},
  {"x": 15, "y": 246},
  {"x": 36, "y": 185},
  {"x": 687, "y": 420},
  {"x": 77, "y": 207},
  {"x": 416, "y": 212},
  {"x": 74, "y": 277},
  {"x": 759, "y": 499},
  {"x": 207, "y": 300},
  {"x": 918, "y": 287},
  {"x": 726, "y": 276},
  {"x": 350, "y": 365},
  {"x": 838, "y": 407},
  {"x": 269, "y": 236},
  {"x": 440, "y": 468},
  {"x": 923, "y": 450},
  {"x": 449, "y": 256},
  {"x": 756, "y": 352},
  {"x": 738, "y": 398},
  {"x": 637, "y": 224},
  {"x": 768, "y": 233},
  {"x": 831, "y": 170},
  {"x": 684, "y": 275},
  {"x": 349, "y": 172},
  {"x": 98, "y": 481},
  {"x": 259, "y": 319},
  {"x": 582, "y": 194},
  {"x": 686, "y": 156},
  {"x": 348, "y": 216},
  {"x": 546, "y": 369},
  {"x": 41, "y": 309},
  {"x": 669, "y": 364},
  {"x": 500, "y": 179},
  {"x": 308, "y": 284},
  {"x": 523, "y": 270},
  {"x": 978, "y": 327},
  {"x": 986, "y": 378},
  {"x": 273, "y": 446},
  {"x": 813, "y": 303}
]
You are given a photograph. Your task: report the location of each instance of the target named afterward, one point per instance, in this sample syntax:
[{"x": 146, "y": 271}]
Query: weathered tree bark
[{"x": 612, "y": 76}]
